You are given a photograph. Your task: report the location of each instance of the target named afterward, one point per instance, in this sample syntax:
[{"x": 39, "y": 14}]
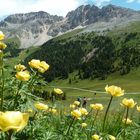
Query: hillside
[{"x": 91, "y": 55}]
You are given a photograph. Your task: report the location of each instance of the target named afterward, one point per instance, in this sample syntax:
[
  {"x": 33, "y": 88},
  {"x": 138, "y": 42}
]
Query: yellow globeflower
[
  {"x": 20, "y": 67},
  {"x": 97, "y": 106},
  {"x": 84, "y": 125},
  {"x": 43, "y": 67},
  {"x": 83, "y": 111},
  {"x": 29, "y": 110},
  {"x": 41, "y": 106},
  {"x": 2, "y": 36},
  {"x": 72, "y": 106},
  {"x": 53, "y": 110},
  {"x": 95, "y": 137},
  {"x": 58, "y": 91},
  {"x": 13, "y": 120},
  {"x": 138, "y": 108},
  {"x": 23, "y": 75},
  {"x": 34, "y": 63},
  {"x": 76, "y": 103},
  {"x": 128, "y": 103},
  {"x": 128, "y": 121},
  {"x": 2, "y": 45},
  {"x": 41, "y": 70},
  {"x": 114, "y": 90},
  {"x": 112, "y": 137},
  {"x": 76, "y": 114}
]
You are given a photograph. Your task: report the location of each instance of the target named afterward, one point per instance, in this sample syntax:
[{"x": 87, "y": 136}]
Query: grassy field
[
  {"x": 130, "y": 83},
  {"x": 87, "y": 88}
]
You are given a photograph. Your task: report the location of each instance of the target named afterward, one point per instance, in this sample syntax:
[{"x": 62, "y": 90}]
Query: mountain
[
  {"x": 30, "y": 28},
  {"x": 35, "y": 28},
  {"x": 2, "y": 18}
]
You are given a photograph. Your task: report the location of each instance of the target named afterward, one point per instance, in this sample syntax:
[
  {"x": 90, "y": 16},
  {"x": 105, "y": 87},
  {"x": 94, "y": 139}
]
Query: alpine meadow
[{"x": 71, "y": 78}]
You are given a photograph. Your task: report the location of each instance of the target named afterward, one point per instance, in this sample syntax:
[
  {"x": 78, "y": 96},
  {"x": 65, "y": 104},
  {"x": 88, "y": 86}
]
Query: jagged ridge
[{"x": 35, "y": 28}]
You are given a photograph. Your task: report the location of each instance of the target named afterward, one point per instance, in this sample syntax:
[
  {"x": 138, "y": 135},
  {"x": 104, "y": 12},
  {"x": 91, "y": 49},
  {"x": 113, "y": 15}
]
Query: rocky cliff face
[
  {"x": 85, "y": 15},
  {"x": 35, "y": 28}
]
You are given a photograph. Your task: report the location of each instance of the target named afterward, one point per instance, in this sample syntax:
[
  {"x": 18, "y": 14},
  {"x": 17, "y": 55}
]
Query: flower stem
[
  {"x": 32, "y": 81},
  {"x": 127, "y": 110},
  {"x": 104, "y": 121},
  {"x": 10, "y": 133},
  {"x": 67, "y": 132},
  {"x": 2, "y": 83},
  {"x": 2, "y": 89},
  {"x": 94, "y": 120},
  {"x": 17, "y": 94},
  {"x": 88, "y": 115}
]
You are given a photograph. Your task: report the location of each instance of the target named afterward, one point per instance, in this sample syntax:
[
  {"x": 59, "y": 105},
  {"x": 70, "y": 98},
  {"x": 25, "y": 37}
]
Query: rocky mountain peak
[
  {"x": 35, "y": 28},
  {"x": 23, "y": 18}
]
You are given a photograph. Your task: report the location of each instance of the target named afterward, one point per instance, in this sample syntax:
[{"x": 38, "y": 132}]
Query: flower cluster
[{"x": 41, "y": 66}]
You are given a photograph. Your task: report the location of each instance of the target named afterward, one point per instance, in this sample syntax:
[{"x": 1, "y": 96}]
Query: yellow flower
[
  {"x": 128, "y": 103},
  {"x": 58, "y": 91},
  {"x": 2, "y": 36},
  {"x": 34, "y": 63},
  {"x": 76, "y": 103},
  {"x": 112, "y": 137},
  {"x": 114, "y": 90},
  {"x": 95, "y": 137},
  {"x": 72, "y": 106},
  {"x": 97, "y": 106},
  {"x": 13, "y": 120},
  {"x": 128, "y": 121},
  {"x": 29, "y": 110},
  {"x": 84, "y": 125},
  {"x": 83, "y": 111},
  {"x": 76, "y": 114},
  {"x": 43, "y": 67},
  {"x": 20, "y": 67},
  {"x": 41, "y": 106},
  {"x": 53, "y": 110},
  {"x": 138, "y": 108},
  {"x": 23, "y": 75},
  {"x": 2, "y": 45}
]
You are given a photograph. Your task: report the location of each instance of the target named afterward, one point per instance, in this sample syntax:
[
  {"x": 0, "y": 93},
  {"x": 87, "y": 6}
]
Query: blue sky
[
  {"x": 59, "y": 7},
  {"x": 133, "y": 4}
]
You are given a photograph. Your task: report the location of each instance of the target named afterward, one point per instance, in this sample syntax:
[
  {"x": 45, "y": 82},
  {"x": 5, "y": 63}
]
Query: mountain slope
[
  {"x": 36, "y": 28},
  {"x": 92, "y": 55}
]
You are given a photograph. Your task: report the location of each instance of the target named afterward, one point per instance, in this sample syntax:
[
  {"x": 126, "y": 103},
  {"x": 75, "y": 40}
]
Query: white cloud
[
  {"x": 130, "y": 1},
  {"x": 101, "y": 2},
  {"x": 59, "y": 7}
]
